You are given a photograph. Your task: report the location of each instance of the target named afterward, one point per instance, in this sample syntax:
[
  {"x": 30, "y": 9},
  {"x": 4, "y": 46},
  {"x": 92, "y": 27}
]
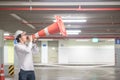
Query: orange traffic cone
[
  {"x": 52, "y": 29},
  {"x": 2, "y": 77},
  {"x": 56, "y": 27}
]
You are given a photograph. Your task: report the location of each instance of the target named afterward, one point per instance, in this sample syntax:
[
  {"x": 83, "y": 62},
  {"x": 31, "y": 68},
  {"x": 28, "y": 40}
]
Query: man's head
[{"x": 20, "y": 36}]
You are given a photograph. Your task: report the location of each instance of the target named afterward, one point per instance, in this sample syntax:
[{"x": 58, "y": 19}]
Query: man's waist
[{"x": 26, "y": 70}]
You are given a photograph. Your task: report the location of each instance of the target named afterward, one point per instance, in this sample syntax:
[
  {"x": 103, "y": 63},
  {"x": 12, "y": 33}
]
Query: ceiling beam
[
  {"x": 19, "y": 3},
  {"x": 22, "y": 20},
  {"x": 61, "y": 9},
  {"x": 73, "y": 37}
]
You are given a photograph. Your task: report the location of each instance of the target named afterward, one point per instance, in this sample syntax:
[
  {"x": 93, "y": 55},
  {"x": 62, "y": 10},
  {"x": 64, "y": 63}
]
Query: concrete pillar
[
  {"x": 1, "y": 47},
  {"x": 117, "y": 53},
  {"x": 44, "y": 52}
]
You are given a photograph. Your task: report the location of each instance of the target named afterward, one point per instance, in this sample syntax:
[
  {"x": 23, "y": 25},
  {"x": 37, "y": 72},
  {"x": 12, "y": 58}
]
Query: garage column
[
  {"x": 1, "y": 46},
  {"x": 44, "y": 52},
  {"x": 117, "y": 53}
]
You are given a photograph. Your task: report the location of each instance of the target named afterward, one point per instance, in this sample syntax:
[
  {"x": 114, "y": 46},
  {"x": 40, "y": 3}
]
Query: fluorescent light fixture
[
  {"x": 76, "y": 32},
  {"x": 82, "y": 40},
  {"x": 74, "y": 21},
  {"x": 69, "y": 17},
  {"x": 6, "y": 34},
  {"x": 53, "y": 48},
  {"x": 22, "y": 20},
  {"x": 110, "y": 40},
  {"x": 73, "y": 31},
  {"x": 16, "y": 16},
  {"x": 45, "y": 39},
  {"x": 95, "y": 40},
  {"x": 69, "y": 25}
]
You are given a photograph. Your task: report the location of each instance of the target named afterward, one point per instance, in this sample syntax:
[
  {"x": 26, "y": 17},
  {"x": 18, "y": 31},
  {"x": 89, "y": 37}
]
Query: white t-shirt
[{"x": 24, "y": 53}]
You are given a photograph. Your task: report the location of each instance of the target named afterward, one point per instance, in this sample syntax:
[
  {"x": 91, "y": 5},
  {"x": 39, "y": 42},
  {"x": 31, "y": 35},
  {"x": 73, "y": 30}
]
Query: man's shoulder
[{"x": 18, "y": 45}]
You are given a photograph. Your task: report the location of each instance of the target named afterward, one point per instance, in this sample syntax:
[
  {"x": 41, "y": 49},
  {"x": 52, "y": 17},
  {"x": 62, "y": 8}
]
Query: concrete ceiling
[
  {"x": 62, "y": 0},
  {"x": 102, "y": 23}
]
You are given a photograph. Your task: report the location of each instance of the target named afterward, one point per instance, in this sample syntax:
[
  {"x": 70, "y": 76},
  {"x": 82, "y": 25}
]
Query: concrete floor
[{"x": 76, "y": 73}]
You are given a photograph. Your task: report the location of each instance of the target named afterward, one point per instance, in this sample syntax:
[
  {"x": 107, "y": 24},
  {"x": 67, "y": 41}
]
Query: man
[{"x": 24, "y": 53}]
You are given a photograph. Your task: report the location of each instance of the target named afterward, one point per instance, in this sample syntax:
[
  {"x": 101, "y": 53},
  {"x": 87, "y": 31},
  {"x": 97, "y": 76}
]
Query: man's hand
[
  {"x": 30, "y": 38},
  {"x": 35, "y": 40}
]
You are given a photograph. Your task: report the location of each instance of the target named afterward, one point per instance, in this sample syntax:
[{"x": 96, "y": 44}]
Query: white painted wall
[
  {"x": 8, "y": 52},
  {"x": 1, "y": 47},
  {"x": 117, "y": 52},
  {"x": 72, "y": 52},
  {"x": 52, "y": 52},
  {"x": 44, "y": 52},
  {"x": 78, "y": 52},
  {"x": 37, "y": 56},
  {"x": 63, "y": 56},
  {"x": 5, "y": 55}
]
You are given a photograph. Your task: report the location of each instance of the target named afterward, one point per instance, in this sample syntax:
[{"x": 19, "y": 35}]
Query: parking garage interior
[{"x": 90, "y": 49}]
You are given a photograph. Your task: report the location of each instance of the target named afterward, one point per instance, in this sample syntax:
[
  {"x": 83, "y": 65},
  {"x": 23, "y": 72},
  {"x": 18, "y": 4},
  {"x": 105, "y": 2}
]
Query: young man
[{"x": 24, "y": 52}]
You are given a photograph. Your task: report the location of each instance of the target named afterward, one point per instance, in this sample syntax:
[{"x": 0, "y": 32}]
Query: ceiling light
[
  {"x": 72, "y": 33},
  {"x": 82, "y": 40},
  {"x": 6, "y": 34},
  {"x": 110, "y": 40},
  {"x": 69, "y": 17},
  {"x": 22, "y": 20},
  {"x": 75, "y": 32},
  {"x": 74, "y": 21},
  {"x": 45, "y": 39},
  {"x": 69, "y": 25},
  {"x": 95, "y": 40},
  {"x": 16, "y": 16},
  {"x": 53, "y": 48}
]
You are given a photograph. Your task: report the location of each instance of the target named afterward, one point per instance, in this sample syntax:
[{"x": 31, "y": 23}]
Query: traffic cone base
[
  {"x": 2, "y": 76},
  {"x": 61, "y": 25}
]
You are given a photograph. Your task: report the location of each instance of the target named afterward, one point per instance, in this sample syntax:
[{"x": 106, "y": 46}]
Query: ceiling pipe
[
  {"x": 61, "y": 9},
  {"x": 111, "y": 23},
  {"x": 72, "y": 37},
  {"x": 83, "y": 37},
  {"x": 19, "y": 3},
  {"x": 101, "y": 33}
]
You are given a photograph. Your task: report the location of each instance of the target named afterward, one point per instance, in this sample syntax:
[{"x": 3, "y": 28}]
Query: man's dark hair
[{"x": 19, "y": 36}]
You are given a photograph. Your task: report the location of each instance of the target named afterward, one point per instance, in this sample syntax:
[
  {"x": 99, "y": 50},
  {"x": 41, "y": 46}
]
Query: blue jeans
[{"x": 26, "y": 75}]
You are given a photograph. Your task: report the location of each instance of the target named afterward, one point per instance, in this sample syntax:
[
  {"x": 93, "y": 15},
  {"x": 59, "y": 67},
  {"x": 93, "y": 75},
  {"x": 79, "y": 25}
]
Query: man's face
[{"x": 24, "y": 37}]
